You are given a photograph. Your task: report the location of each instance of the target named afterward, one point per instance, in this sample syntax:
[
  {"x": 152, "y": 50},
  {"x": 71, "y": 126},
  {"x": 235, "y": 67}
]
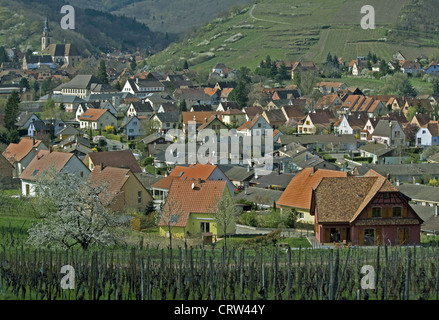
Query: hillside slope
[
  {"x": 22, "y": 21},
  {"x": 171, "y": 16},
  {"x": 300, "y": 29}
]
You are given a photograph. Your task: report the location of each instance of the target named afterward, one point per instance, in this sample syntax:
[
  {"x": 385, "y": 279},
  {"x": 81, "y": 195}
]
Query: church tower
[{"x": 45, "y": 38}]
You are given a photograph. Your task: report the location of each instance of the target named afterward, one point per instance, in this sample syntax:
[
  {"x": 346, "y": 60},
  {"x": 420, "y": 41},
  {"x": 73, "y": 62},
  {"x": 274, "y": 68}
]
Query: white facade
[{"x": 425, "y": 138}]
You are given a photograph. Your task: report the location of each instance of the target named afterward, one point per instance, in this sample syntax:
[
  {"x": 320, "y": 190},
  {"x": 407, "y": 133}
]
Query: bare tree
[
  {"x": 73, "y": 212},
  {"x": 226, "y": 214},
  {"x": 169, "y": 214}
]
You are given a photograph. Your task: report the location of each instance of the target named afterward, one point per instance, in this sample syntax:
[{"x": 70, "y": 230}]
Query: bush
[
  {"x": 148, "y": 161},
  {"x": 271, "y": 238},
  {"x": 249, "y": 219}
]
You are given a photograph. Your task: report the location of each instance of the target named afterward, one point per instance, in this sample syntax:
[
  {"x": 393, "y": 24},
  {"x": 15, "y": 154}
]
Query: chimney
[
  {"x": 313, "y": 169},
  {"x": 101, "y": 166},
  {"x": 137, "y": 80},
  {"x": 199, "y": 180}
]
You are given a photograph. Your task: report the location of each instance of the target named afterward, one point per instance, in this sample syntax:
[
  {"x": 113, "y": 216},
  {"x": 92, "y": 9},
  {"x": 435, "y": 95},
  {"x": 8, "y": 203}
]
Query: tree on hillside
[
  {"x": 102, "y": 72},
  {"x": 406, "y": 89},
  {"x": 436, "y": 86},
  {"x": 283, "y": 71},
  {"x": 73, "y": 213},
  {"x": 3, "y": 55},
  {"x": 11, "y": 110},
  {"x": 240, "y": 94},
  {"x": 24, "y": 83}
]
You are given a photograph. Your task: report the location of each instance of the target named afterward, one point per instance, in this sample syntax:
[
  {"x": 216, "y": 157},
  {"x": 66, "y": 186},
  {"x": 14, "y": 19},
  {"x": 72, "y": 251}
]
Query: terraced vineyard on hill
[{"x": 292, "y": 30}]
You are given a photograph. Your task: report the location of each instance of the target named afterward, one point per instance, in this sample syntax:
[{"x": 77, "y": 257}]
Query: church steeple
[{"x": 45, "y": 38}]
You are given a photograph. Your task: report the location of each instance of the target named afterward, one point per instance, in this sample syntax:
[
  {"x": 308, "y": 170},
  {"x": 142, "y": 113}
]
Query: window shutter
[
  {"x": 404, "y": 212},
  {"x": 388, "y": 212},
  {"x": 361, "y": 236},
  {"x": 369, "y": 212},
  {"x": 378, "y": 238}
]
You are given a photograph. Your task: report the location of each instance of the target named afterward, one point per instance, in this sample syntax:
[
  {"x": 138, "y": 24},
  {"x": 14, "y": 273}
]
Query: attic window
[
  {"x": 174, "y": 218},
  {"x": 35, "y": 172},
  {"x": 180, "y": 174},
  {"x": 386, "y": 195}
]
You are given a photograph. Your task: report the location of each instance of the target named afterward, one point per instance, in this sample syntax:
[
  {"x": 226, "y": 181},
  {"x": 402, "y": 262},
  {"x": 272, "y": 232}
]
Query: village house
[
  {"x": 317, "y": 121},
  {"x": 69, "y": 103},
  {"x": 21, "y": 154},
  {"x": 330, "y": 101},
  {"x": 165, "y": 121},
  {"x": 83, "y": 85},
  {"x": 24, "y": 119},
  {"x": 298, "y": 193},
  {"x": 199, "y": 117},
  {"x": 124, "y": 191},
  {"x": 389, "y": 132},
  {"x": 97, "y": 119},
  {"x": 141, "y": 88},
  {"x": 191, "y": 207},
  {"x": 303, "y": 66},
  {"x": 141, "y": 109},
  {"x": 118, "y": 159},
  {"x": 213, "y": 123},
  {"x": 432, "y": 68},
  {"x": 131, "y": 127},
  {"x": 376, "y": 151},
  {"x": 400, "y": 173},
  {"x": 293, "y": 113},
  {"x": 365, "y": 211},
  {"x": 197, "y": 172},
  {"x": 330, "y": 87},
  {"x": 56, "y": 162},
  {"x": 193, "y": 96},
  {"x": 275, "y": 117},
  {"x": 234, "y": 117},
  {"x": 352, "y": 124},
  {"x": 256, "y": 127},
  {"x": 224, "y": 106},
  {"x": 428, "y": 135}
]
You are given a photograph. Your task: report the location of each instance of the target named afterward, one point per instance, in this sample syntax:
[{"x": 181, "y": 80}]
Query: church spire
[{"x": 45, "y": 39}]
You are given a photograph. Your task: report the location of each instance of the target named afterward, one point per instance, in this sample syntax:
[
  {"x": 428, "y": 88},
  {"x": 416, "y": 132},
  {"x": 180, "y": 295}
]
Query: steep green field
[{"x": 299, "y": 29}]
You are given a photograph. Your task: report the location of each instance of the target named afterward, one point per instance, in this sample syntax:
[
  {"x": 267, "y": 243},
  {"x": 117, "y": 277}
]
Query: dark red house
[{"x": 365, "y": 210}]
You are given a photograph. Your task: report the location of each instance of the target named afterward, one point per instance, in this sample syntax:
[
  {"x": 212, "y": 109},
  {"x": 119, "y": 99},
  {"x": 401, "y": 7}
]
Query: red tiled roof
[
  {"x": 298, "y": 192},
  {"x": 183, "y": 199},
  {"x": 17, "y": 151},
  {"x": 92, "y": 114},
  {"x": 43, "y": 161}
]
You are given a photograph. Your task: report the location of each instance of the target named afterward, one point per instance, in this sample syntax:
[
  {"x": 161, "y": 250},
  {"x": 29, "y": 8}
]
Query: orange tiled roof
[
  {"x": 17, "y": 151},
  {"x": 184, "y": 200},
  {"x": 92, "y": 114},
  {"x": 190, "y": 173},
  {"x": 43, "y": 161},
  {"x": 298, "y": 192}
]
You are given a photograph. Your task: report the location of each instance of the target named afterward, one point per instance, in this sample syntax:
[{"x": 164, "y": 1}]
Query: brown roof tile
[
  {"x": 117, "y": 159},
  {"x": 17, "y": 151},
  {"x": 298, "y": 192},
  {"x": 183, "y": 199},
  {"x": 43, "y": 161}
]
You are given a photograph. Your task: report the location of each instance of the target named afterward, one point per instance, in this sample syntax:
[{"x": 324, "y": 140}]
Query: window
[
  {"x": 369, "y": 236},
  {"x": 308, "y": 123},
  {"x": 259, "y": 125},
  {"x": 376, "y": 212},
  {"x": 397, "y": 212}
]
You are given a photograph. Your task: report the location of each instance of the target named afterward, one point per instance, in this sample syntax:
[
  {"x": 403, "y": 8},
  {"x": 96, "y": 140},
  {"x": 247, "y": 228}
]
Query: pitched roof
[
  {"x": 293, "y": 112},
  {"x": 117, "y": 159},
  {"x": 142, "y": 106},
  {"x": 259, "y": 196},
  {"x": 92, "y": 114},
  {"x": 43, "y": 161},
  {"x": 17, "y": 151},
  {"x": 81, "y": 81},
  {"x": 168, "y": 116},
  {"x": 198, "y": 116},
  {"x": 299, "y": 190},
  {"x": 433, "y": 127},
  {"x": 113, "y": 178},
  {"x": 384, "y": 128},
  {"x": 208, "y": 121},
  {"x": 343, "y": 199},
  {"x": 183, "y": 199},
  {"x": 275, "y": 115},
  {"x": 190, "y": 173}
]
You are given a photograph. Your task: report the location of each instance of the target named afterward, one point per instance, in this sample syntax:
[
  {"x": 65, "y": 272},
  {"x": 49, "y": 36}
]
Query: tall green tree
[
  {"x": 3, "y": 55},
  {"x": 102, "y": 72},
  {"x": 283, "y": 71},
  {"x": 11, "y": 110},
  {"x": 406, "y": 89},
  {"x": 240, "y": 94}
]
